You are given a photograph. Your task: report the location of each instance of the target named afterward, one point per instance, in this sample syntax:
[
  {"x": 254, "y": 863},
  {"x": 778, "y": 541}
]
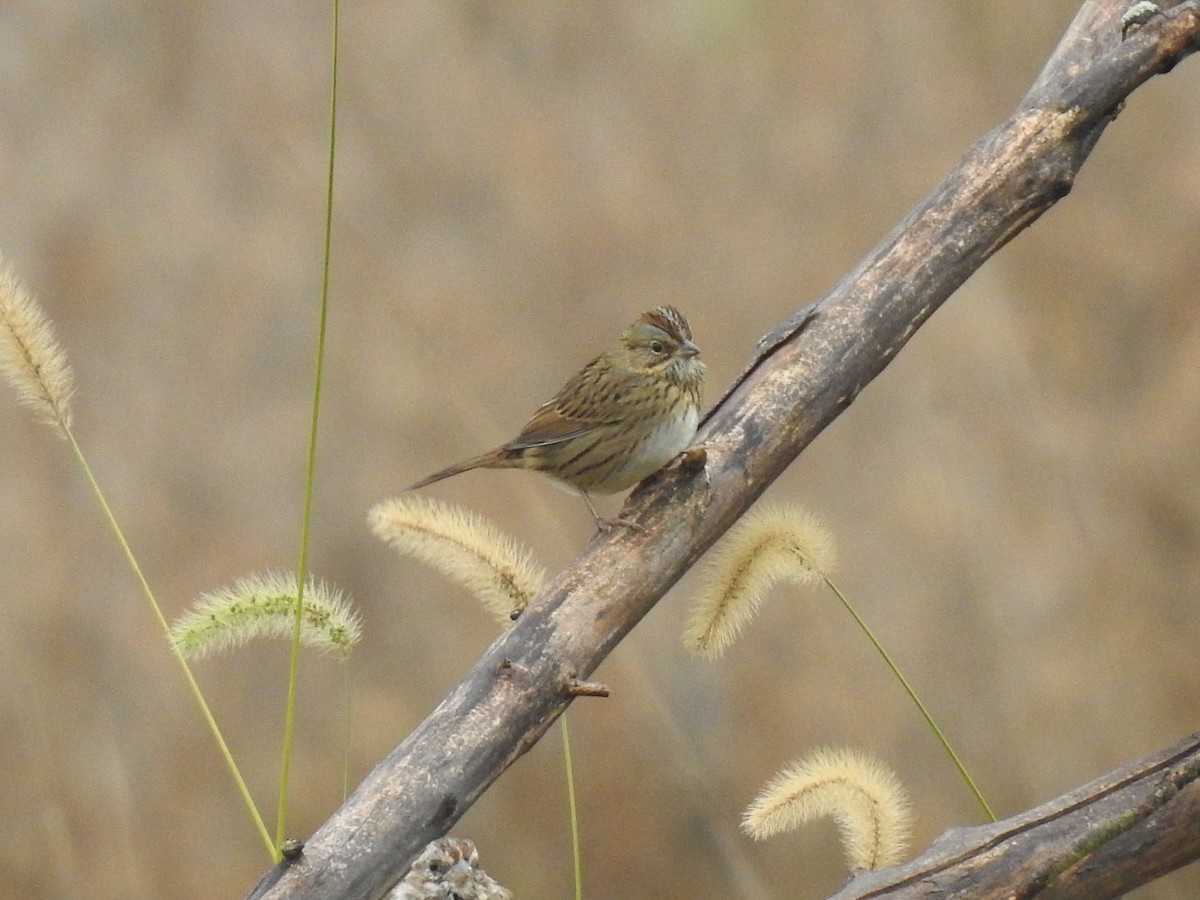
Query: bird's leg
[{"x": 605, "y": 524}]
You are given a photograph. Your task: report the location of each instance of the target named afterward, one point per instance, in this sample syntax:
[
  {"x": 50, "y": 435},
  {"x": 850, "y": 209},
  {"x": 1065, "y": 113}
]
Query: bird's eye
[
  {"x": 658, "y": 348},
  {"x": 436, "y": 867}
]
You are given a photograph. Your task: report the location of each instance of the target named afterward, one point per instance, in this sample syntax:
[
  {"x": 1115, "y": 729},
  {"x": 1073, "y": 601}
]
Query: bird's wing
[{"x": 596, "y": 397}]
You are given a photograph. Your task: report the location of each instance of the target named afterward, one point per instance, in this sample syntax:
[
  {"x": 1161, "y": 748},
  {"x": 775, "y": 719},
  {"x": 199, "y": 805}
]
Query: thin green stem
[
  {"x": 294, "y": 666},
  {"x": 162, "y": 621},
  {"x": 576, "y": 853},
  {"x": 908, "y": 688},
  {"x": 348, "y": 719}
]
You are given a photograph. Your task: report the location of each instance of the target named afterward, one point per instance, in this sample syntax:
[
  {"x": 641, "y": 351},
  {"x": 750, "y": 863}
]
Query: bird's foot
[{"x": 605, "y": 524}]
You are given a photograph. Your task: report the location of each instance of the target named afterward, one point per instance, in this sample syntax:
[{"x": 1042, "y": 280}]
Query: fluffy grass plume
[
  {"x": 858, "y": 792},
  {"x": 771, "y": 545},
  {"x": 463, "y": 546},
  {"x": 265, "y": 606},
  {"x": 30, "y": 356}
]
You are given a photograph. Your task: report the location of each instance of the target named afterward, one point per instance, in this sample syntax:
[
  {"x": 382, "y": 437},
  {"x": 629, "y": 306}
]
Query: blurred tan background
[{"x": 1016, "y": 498}]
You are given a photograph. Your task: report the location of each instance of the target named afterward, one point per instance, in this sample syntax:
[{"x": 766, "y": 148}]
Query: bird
[
  {"x": 448, "y": 869},
  {"x": 622, "y": 417}
]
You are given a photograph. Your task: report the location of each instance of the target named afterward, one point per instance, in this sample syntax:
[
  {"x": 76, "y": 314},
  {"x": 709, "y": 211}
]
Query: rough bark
[
  {"x": 804, "y": 374},
  {"x": 1100, "y": 840}
]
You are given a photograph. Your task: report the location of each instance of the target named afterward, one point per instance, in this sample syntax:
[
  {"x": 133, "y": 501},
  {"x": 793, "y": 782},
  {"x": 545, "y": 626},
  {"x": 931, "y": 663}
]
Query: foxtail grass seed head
[
  {"x": 464, "y": 547},
  {"x": 31, "y": 359},
  {"x": 861, "y": 795},
  {"x": 775, "y": 544},
  {"x": 264, "y": 605}
]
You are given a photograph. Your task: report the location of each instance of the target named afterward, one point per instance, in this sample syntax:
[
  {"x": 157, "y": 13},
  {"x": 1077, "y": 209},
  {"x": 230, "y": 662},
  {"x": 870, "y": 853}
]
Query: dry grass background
[{"x": 1016, "y": 498}]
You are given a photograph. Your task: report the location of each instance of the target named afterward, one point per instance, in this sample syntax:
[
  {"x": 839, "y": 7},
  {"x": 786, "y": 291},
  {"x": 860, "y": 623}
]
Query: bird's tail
[{"x": 493, "y": 459}]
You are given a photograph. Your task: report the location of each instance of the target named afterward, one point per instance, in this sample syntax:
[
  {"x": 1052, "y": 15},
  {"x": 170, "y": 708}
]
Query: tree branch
[
  {"x": 804, "y": 374},
  {"x": 1098, "y": 841}
]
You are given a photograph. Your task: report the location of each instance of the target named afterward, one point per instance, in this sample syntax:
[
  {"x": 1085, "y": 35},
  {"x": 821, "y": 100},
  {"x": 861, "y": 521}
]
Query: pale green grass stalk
[
  {"x": 912, "y": 694},
  {"x": 573, "y": 810},
  {"x": 347, "y": 719},
  {"x": 289, "y": 723},
  {"x": 32, "y": 360},
  {"x": 193, "y": 686},
  {"x": 769, "y": 545}
]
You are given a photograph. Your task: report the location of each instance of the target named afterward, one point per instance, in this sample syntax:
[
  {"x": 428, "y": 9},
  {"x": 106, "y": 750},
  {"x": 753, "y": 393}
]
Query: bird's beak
[
  {"x": 688, "y": 350},
  {"x": 458, "y": 875}
]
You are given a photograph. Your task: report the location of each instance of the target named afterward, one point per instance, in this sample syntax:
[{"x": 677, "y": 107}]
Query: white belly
[{"x": 658, "y": 448}]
